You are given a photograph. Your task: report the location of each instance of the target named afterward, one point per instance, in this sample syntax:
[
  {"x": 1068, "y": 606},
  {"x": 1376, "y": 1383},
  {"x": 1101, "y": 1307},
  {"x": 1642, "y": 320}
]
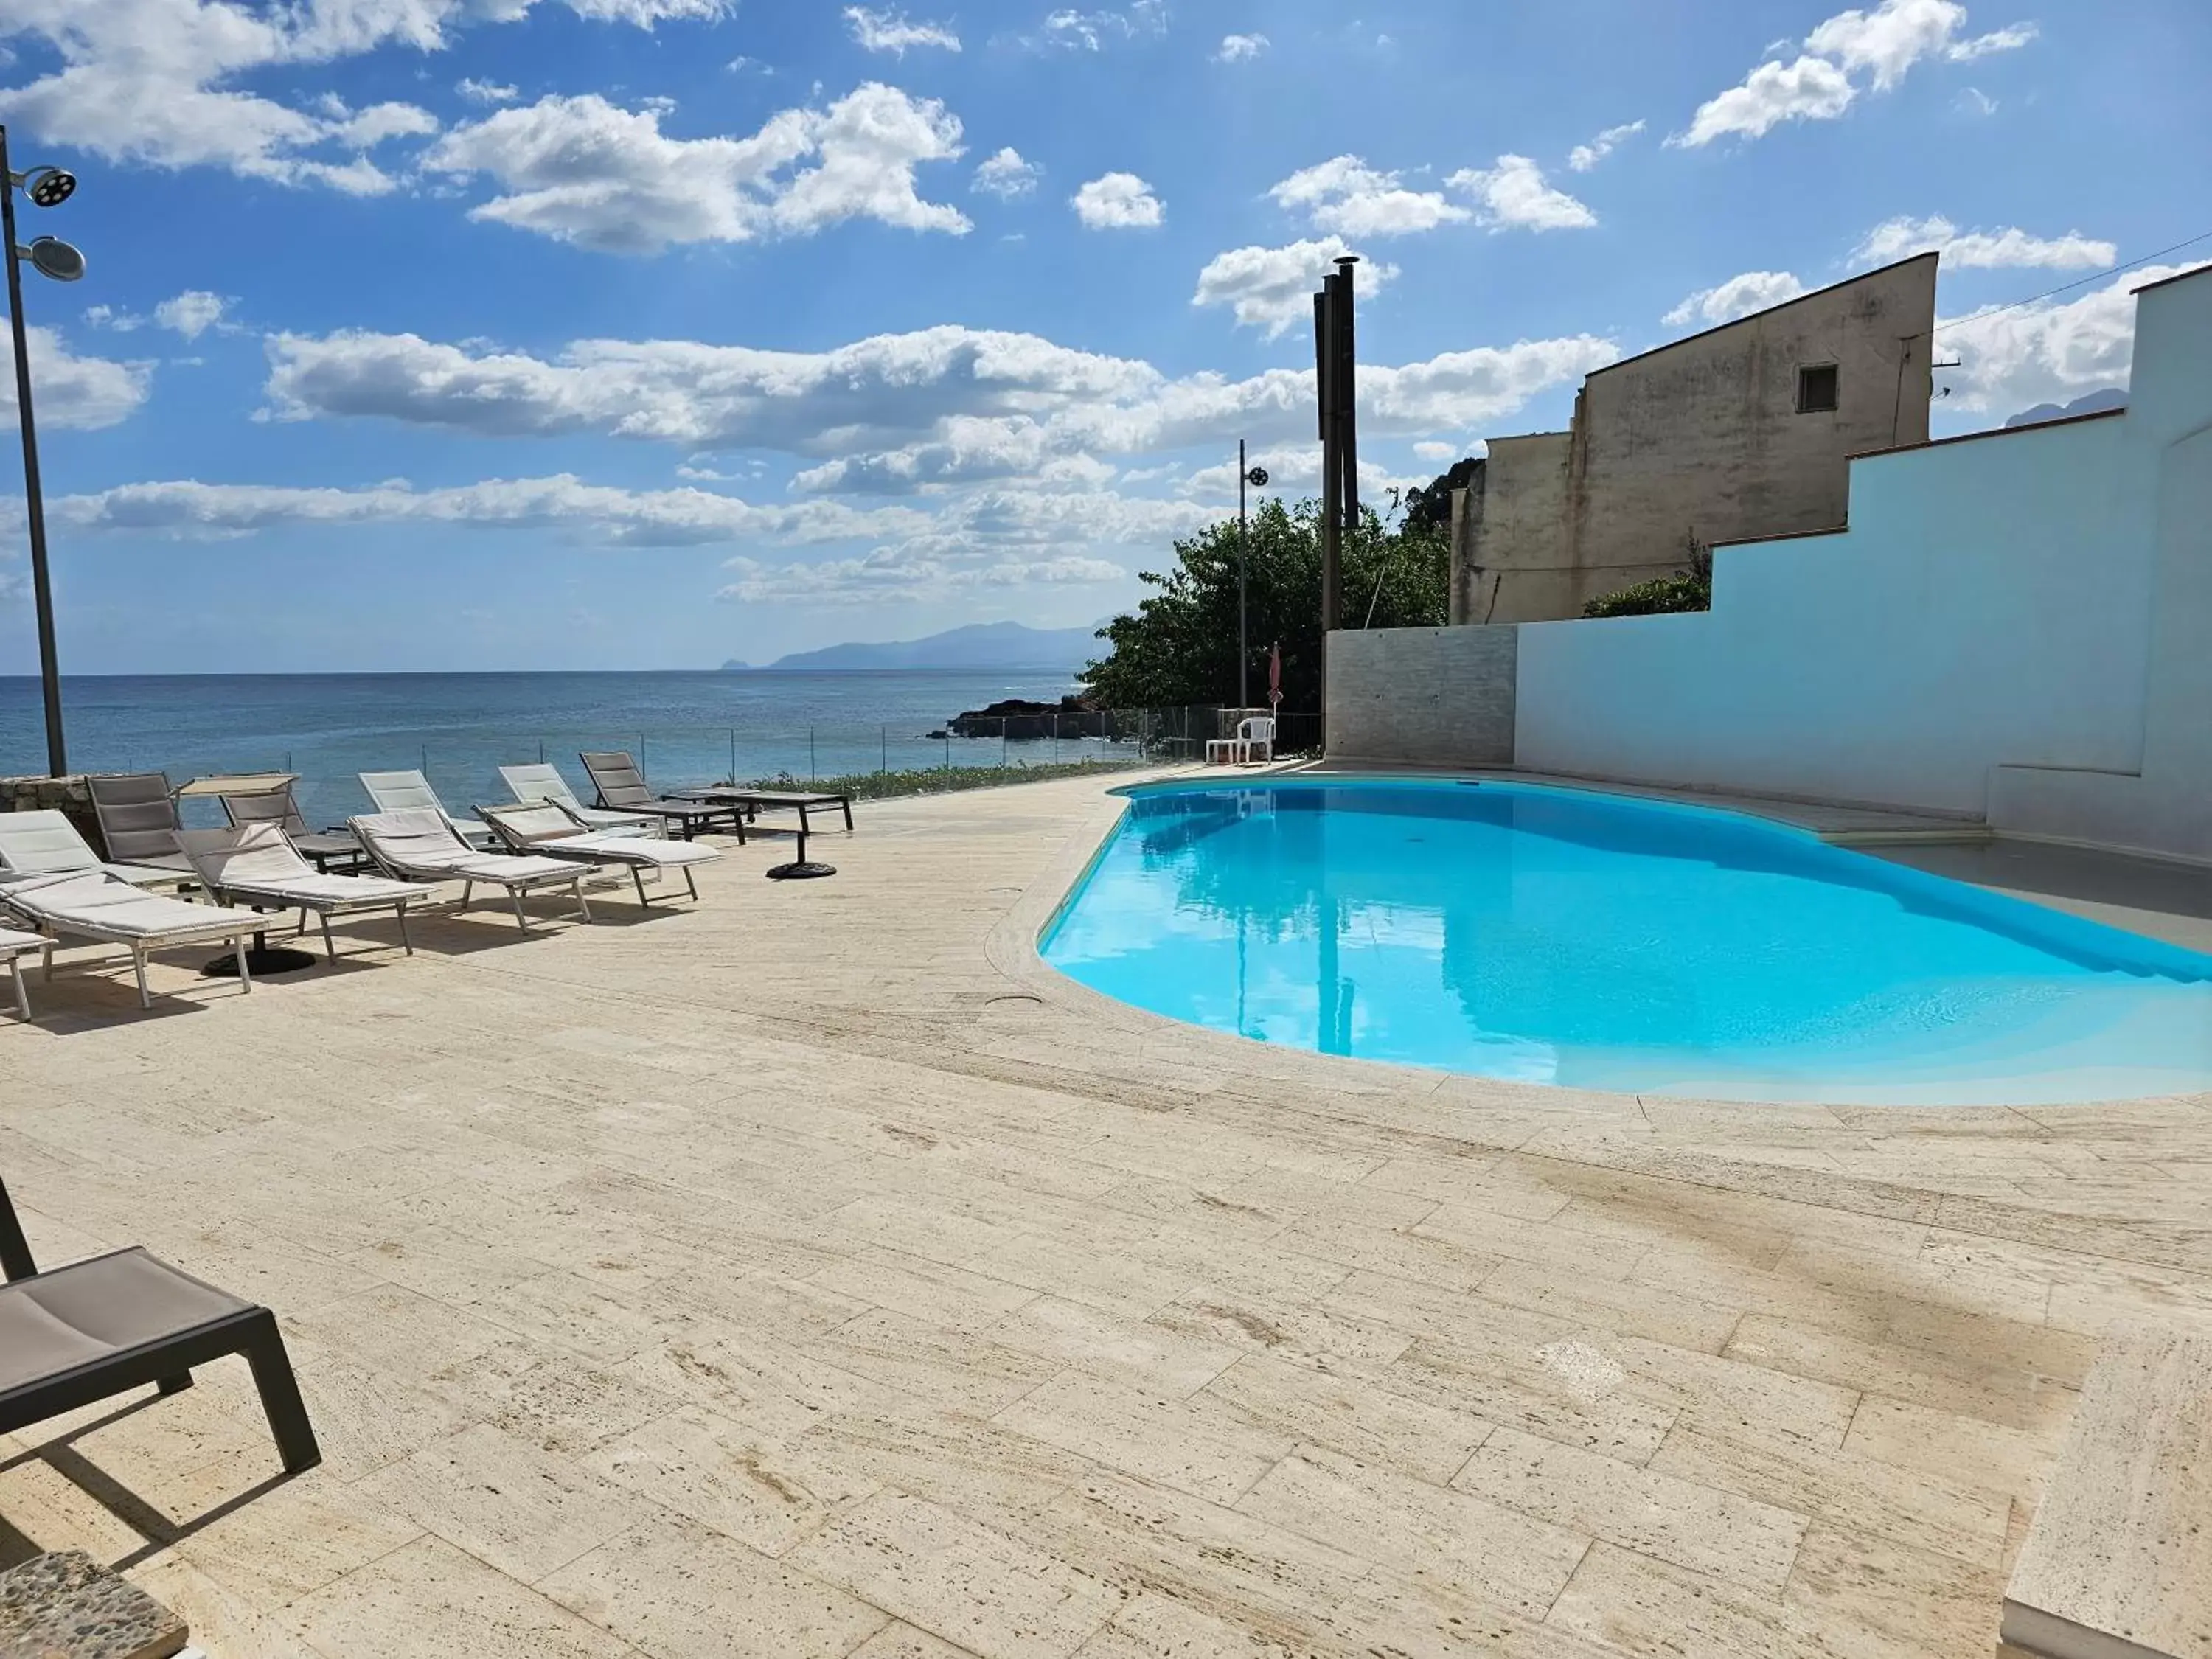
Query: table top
[{"x": 239, "y": 783}]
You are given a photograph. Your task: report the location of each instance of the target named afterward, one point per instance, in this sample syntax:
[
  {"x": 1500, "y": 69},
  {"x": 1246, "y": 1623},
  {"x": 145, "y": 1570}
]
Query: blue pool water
[{"x": 1566, "y": 936}]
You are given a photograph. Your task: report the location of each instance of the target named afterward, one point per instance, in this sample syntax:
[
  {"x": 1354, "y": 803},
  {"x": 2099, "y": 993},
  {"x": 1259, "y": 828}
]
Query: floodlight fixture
[{"x": 49, "y": 256}]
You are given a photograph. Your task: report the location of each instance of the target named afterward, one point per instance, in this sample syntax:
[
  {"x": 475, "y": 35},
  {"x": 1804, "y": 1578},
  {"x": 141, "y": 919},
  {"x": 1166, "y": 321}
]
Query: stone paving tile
[
  {"x": 1430, "y": 1442},
  {"x": 1497, "y": 1555},
  {"x": 1200, "y": 1445},
  {"x": 1736, "y": 1540},
  {"x": 765, "y": 1491},
  {"x": 506, "y": 1502},
  {"x": 984, "y": 1590},
  {"x": 680, "y": 1590},
  {"x": 430, "y": 1600}
]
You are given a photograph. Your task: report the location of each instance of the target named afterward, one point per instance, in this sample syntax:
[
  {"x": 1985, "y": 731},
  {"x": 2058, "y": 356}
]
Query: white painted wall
[{"x": 2038, "y": 601}]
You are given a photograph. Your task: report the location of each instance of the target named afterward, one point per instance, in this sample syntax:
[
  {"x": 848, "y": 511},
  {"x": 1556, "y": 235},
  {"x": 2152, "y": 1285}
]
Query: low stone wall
[
  {"x": 1430, "y": 697},
  {"x": 70, "y": 796}
]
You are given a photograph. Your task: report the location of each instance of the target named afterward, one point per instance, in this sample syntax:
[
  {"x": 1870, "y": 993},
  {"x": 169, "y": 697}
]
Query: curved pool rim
[{"x": 1018, "y": 943}]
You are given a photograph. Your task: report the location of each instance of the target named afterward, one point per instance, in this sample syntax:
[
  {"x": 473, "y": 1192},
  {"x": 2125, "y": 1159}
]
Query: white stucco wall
[{"x": 2038, "y": 601}]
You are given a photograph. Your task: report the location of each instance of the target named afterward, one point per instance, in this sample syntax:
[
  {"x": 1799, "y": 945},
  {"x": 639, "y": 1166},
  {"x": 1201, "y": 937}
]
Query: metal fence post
[
  {"x": 811, "y": 774},
  {"x": 733, "y": 757},
  {"x": 883, "y": 757},
  {"x": 1003, "y": 724}
]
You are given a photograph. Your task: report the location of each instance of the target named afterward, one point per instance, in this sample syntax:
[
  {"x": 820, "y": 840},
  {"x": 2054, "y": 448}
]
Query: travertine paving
[{"x": 812, "y": 1273}]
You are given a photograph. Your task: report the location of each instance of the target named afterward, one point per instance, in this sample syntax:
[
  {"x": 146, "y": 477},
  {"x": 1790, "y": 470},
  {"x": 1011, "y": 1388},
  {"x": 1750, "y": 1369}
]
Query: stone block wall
[
  {"x": 70, "y": 796},
  {"x": 1428, "y": 696}
]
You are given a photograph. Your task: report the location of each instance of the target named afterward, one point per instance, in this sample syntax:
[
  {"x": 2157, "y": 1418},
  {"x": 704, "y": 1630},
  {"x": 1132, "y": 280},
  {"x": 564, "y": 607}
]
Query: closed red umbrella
[{"x": 1275, "y": 675}]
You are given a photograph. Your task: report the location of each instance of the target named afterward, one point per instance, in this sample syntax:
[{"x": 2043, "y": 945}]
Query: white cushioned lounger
[
  {"x": 423, "y": 845},
  {"x": 543, "y": 782},
  {"x": 553, "y": 831},
  {"x": 45, "y": 843},
  {"x": 256, "y": 863},
  {"x": 96, "y": 905}
]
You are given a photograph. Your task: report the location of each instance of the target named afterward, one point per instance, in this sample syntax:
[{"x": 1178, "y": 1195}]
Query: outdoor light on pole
[
  {"x": 49, "y": 257},
  {"x": 1257, "y": 477}
]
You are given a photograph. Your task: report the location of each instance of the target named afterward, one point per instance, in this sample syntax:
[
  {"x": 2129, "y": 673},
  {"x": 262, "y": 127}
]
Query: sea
[{"x": 685, "y": 728}]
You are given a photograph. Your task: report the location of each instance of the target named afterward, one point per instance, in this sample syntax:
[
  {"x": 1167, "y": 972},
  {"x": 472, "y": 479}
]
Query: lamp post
[
  {"x": 49, "y": 257},
  {"x": 1257, "y": 477}
]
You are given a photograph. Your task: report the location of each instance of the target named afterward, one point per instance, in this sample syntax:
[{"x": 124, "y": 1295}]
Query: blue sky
[{"x": 645, "y": 333}]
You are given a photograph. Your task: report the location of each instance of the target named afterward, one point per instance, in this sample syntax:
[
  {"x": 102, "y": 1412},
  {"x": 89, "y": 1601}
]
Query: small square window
[{"x": 1816, "y": 389}]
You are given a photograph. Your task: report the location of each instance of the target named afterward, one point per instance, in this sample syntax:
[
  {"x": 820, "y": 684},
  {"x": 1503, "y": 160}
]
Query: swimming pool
[{"x": 1566, "y": 936}]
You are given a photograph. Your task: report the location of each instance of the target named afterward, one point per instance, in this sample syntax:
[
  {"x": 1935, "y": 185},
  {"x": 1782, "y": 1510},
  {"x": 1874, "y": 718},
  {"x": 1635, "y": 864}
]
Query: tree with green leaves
[{"x": 1179, "y": 646}]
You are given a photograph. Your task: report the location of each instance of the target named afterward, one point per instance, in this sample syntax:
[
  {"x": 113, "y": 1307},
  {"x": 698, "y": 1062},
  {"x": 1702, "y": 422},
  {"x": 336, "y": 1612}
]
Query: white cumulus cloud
[
  {"x": 894, "y": 413},
  {"x": 2050, "y": 351},
  {"x": 191, "y": 313},
  {"x": 486, "y": 92},
  {"x": 1739, "y": 296},
  {"x": 190, "y": 83},
  {"x": 1583, "y": 157},
  {"x": 1344, "y": 194},
  {"x": 1881, "y": 44},
  {"x": 583, "y": 170},
  {"x": 1240, "y": 48},
  {"x": 1514, "y": 195},
  {"x": 1809, "y": 89},
  {"x": 1272, "y": 289},
  {"x": 1117, "y": 201},
  {"x": 1093, "y": 31},
  {"x": 893, "y": 32},
  {"x": 70, "y": 391},
  {"x": 1895, "y": 239},
  {"x": 1007, "y": 176}
]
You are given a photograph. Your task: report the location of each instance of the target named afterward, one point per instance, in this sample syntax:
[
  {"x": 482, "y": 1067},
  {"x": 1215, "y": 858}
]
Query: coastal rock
[{"x": 1017, "y": 718}]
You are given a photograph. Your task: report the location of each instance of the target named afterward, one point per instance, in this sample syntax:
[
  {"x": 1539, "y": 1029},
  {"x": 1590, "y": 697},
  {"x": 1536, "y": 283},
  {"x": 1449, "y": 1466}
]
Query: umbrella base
[
  {"x": 800, "y": 870},
  {"x": 262, "y": 959}
]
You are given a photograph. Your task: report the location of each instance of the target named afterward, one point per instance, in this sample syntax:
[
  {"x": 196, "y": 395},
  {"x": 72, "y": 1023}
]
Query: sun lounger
[
  {"x": 754, "y": 801},
  {"x": 256, "y": 865},
  {"x": 549, "y": 828},
  {"x": 75, "y": 1335},
  {"x": 424, "y": 845},
  {"x": 137, "y": 818},
  {"x": 411, "y": 792},
  {"x": 532, "y": 784},
  {"x": 622, "y": 788},
  {"x": 97, "y": 905},
  {"x": 14, "y": 947},
  {"x": 45, "y": 843},
  {"x": 323, "y": 848}
]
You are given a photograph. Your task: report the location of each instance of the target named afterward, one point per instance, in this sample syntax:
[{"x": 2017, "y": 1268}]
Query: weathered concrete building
[{"x": 1738, "y": 433}]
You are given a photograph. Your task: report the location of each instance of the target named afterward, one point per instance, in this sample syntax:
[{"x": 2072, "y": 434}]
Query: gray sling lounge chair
[
  {"x": 137, "y": 818},
  {"x": 549, "y": 829},
  {"x": 79, "y": 1334},
  {"x": 411, "y": 792},
  {"x": 257, "y": 865},
  {"x": 423, "y": 845},
  {"x": 543, "y": 782},
  {"x": 97, "y": 905},
  {"x": 621, "y": 786},
  {"x": 278, "y": 806},
  {"x": 45, "y": 843}
]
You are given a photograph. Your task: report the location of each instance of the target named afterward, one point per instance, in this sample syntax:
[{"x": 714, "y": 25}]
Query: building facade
[{"x": 1741, "y": 432}]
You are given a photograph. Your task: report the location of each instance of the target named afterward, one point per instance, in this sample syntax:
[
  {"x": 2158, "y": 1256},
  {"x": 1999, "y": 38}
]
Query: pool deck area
[{"x": 811, "y": 1272}]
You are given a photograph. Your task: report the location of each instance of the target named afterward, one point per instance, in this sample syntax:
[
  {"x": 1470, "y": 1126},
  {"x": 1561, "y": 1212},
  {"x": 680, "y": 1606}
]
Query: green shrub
[{"x": 1685, "y": 590}]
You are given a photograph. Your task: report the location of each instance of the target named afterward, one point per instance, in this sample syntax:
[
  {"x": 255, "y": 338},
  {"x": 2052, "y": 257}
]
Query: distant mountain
[
  {"x": 980, "y": 647},
  {"x": 2095, "y": 402}
]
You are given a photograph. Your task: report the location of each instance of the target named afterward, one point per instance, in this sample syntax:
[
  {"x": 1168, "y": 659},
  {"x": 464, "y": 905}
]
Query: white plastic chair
[{"x": 1254, "y": 741}]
